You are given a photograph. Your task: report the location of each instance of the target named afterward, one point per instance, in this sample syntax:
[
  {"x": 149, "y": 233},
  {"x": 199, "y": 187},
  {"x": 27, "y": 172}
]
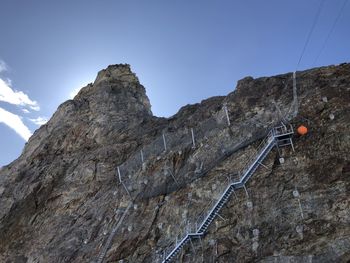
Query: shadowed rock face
[{"x": 61, "y": 198}]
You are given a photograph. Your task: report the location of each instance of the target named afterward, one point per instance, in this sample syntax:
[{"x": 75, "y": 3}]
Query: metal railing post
[
  {"x": 193, "y": 140},
  {"x": 142, "y": 159},
  {"x": 226, "y": 113},
  {"x": 164, "y": 142},
  {"x": 119, "y": 176},
  {"x": 207, "y": 216}
]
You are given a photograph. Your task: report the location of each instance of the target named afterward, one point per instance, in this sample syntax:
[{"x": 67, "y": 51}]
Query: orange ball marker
[{"x": 302, "y": 130}]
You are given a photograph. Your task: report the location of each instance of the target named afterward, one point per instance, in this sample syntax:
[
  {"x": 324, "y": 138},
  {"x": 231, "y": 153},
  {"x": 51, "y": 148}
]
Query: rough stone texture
[{"x": 61, "y": 198}]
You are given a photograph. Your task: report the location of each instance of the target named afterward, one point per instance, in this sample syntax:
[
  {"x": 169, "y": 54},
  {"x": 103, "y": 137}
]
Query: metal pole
[
  {"x": 200, "y": 240},
  {"x": 119, "y": 176},
  {"x": 291, "y": 143},
  {"x": 263, "y": 165},
  {"x": 284, "y": 126},
  {"x": 246, "y": 192},
  {"x": 172, "y": 175},
  {"x": 295, "y": 96},
  {"x": 193, "y": 140},
  {"x": 141, "y": 152},
  {"x": 193, "y": 245},
  {"x": 220, "y": 216},
  {"x": 296, "y": 194},
  {"x": 234, "y": 192},
  {"x": 227, "y": 117},
  {"x": 126, "y": 189},
  {"x": 120, "y": 180},
  {"x": 164, "y": 142}
]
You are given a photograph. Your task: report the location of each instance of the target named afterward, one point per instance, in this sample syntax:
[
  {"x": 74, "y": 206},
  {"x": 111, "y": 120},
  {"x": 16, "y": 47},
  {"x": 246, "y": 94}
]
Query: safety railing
[
  {"x": 257, "y": 151},
  {"x": 205, "y": 218},
  {"x": 128, "y": 173},
  {"x": 206, "y": 134}
]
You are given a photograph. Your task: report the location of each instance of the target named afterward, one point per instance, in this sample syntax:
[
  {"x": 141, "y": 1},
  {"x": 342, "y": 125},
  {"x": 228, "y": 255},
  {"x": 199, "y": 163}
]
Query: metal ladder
[{"x": 278, "y": 136}]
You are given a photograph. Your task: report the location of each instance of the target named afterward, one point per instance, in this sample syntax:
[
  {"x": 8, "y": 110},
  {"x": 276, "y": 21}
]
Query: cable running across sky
[
  {"x": 330, "y": 31},
  {"x": 310, "y": 32}
]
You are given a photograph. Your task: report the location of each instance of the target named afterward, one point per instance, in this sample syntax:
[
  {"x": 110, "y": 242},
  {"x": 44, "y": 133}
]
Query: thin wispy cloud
[
  {"x": 19, "y": 98},
  {"x": 39, "y": 120},
  {"x": 15, "y": 122},
  {"x": 3, "y": 66},
  {"x": 8, "y": 82}
]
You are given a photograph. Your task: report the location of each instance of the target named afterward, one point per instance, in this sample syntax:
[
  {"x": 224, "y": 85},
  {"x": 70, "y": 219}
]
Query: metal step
[{"x": 275, "y": 135}]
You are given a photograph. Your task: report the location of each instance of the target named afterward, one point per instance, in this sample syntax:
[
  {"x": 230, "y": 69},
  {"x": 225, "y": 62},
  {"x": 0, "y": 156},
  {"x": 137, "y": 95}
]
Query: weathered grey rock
[{"x": 61, "y": 199}]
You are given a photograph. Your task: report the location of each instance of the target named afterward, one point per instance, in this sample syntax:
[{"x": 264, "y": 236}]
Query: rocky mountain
[{"x": 106, "y": 181}]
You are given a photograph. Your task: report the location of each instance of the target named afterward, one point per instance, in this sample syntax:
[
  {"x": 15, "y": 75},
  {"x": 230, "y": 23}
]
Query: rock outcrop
[{"x": 62, "y": 198}]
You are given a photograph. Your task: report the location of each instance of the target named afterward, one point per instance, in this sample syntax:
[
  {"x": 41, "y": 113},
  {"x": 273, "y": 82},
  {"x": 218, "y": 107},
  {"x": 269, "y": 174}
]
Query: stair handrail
[
  {"x": 250, "y": 165},
  {"x": 189, "y": 229},
  {"x": 201, "y": 222},
  {"x": 258, "y": 151}
]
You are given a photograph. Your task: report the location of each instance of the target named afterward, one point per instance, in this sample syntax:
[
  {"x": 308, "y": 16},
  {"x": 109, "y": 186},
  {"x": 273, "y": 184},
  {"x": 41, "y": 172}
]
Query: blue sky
[{"x": 182, "y": 51}]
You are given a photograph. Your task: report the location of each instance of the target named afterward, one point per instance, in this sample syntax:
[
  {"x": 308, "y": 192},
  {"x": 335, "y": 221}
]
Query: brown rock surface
[{"x": 61, "y": 199}]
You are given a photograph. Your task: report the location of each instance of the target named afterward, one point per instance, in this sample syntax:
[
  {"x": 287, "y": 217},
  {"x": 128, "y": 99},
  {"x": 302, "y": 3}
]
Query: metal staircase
[
  {"x": 278, "y": 136},
  {"x": 181, "y": 244}
]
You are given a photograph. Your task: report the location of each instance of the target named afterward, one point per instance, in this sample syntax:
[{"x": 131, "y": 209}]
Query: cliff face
[{"x": 62, "y": 200}]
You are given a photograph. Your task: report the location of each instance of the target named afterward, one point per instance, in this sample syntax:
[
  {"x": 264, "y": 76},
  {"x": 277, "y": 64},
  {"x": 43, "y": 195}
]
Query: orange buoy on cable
[{"x": 302, "y": 130}]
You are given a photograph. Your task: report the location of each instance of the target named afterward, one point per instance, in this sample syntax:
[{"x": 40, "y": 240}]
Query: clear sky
[{"x": 182, "y": 51}]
